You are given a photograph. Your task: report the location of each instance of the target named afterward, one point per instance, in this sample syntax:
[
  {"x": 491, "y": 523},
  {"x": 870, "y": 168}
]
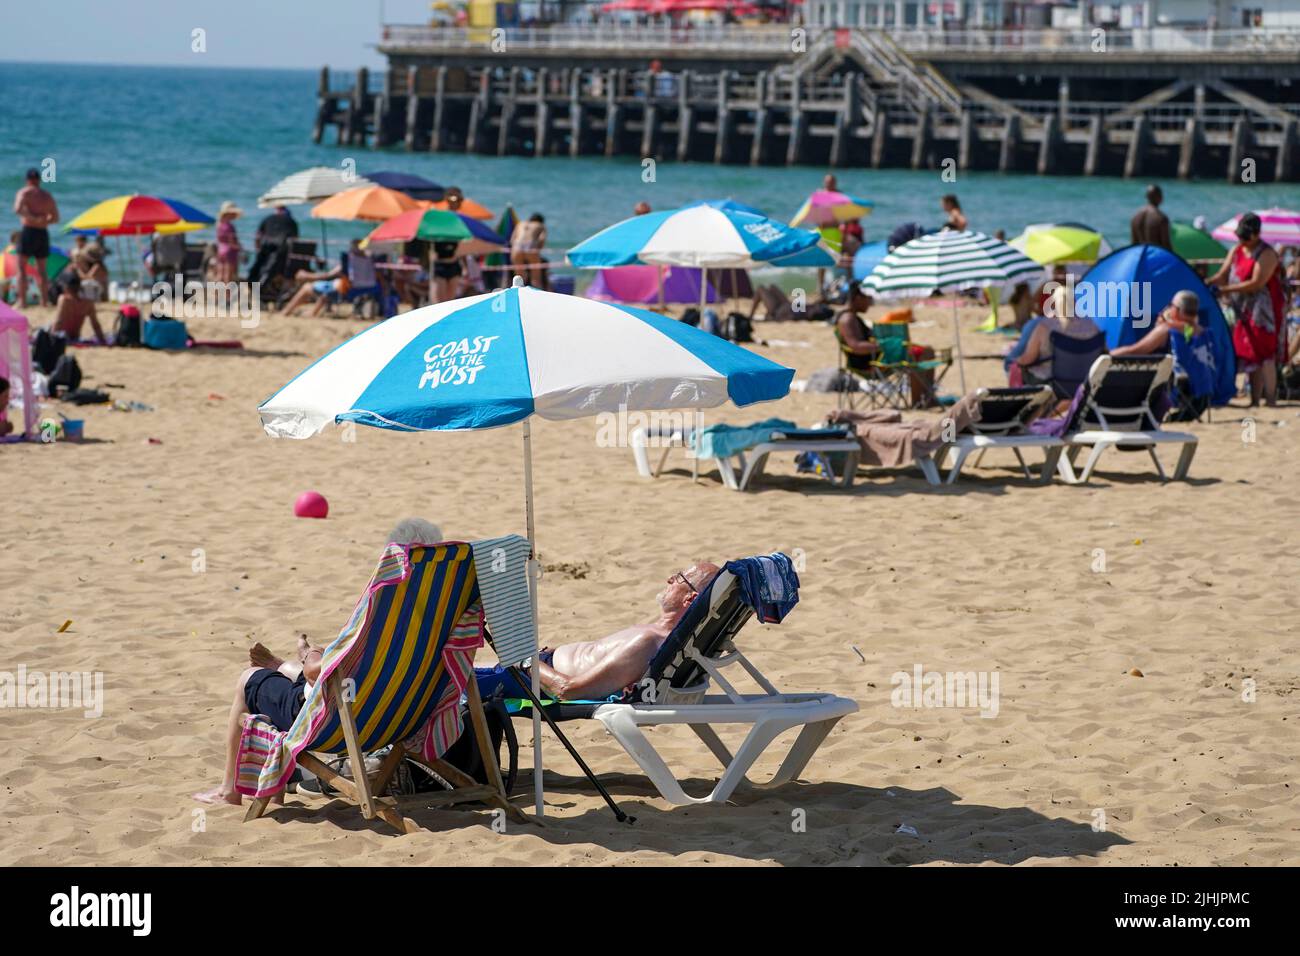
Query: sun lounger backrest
[
  {"x": 715, "y": 616},
  {"x": 1072, "y": 359},
  {"x": 396, "y": 665},
  {"x": 1119, "y": 392},
  {"x": 1005, "y": 411}
]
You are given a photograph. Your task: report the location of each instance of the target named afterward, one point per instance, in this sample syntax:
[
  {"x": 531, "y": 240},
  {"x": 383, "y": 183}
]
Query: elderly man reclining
[
  {"x": 594, "y": 670},
  {"x": 278, "y": 689}
]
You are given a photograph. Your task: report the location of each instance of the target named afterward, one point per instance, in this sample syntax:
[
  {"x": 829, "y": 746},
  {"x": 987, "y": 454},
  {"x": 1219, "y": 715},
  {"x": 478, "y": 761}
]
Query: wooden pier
[{"x": 853, "y": 98}]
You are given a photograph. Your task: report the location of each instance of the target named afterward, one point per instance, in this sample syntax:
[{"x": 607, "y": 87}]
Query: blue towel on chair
[
  {"x": 768, "y": 584},
  {"x": 723, "y": 441}
]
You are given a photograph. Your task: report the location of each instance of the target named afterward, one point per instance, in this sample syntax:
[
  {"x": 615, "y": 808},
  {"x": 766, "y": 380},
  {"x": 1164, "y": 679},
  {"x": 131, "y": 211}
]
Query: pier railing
[
  {"x": 1149, "y": 40},
  {"x": 780, "y": 38}
]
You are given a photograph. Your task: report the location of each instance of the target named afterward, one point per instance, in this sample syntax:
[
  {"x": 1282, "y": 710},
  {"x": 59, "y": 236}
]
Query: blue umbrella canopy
[
  {"x": 1124, "y": 292},
  {"x": 869, "y": 256},
  {"x": 417, "y": 187}
]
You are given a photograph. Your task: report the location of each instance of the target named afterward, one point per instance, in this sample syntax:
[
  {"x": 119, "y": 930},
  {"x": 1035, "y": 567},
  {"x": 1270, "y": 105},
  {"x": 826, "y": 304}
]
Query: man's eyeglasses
[{"x": 686, "y": 581}]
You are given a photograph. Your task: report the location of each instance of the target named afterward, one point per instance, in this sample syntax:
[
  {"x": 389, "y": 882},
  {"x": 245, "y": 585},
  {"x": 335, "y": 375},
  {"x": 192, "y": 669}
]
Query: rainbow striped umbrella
[
  {"x": 436, "y": 225},
  {"x": 828, "y": 208},
  {"x": 1281, "y": 227},
  {"x": 54, "y": 263},
  {"x": 138, "y": 216}
]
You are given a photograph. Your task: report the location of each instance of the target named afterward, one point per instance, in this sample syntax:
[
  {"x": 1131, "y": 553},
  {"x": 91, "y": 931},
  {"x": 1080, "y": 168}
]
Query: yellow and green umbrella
[{"x": 1048, "y": 245}]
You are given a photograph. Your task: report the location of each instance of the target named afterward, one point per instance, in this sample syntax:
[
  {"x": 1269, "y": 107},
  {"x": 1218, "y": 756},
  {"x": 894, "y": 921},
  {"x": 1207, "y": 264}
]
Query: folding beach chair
[
  {"x": 1115, "y": 411},
  {"x": 887, "y": 381},
  {"x": 1004, "y": 415},
  {"x": 392, "y": 678},
  {"x": 675, "y": 691},
  {"x": 1072, "y": 360},
  {"x": 739, "y": 470}
]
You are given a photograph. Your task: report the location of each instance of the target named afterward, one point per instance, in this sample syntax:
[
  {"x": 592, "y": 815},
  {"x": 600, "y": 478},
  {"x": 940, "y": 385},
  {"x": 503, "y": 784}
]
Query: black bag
[
  {"x": 66, "y": 375},
  {"x": 464, "y": 754},
  {"x": 127, "y": 330},
  {"x": 47, "y": 349},
  {"x": 692, "y": 316},
  {"x": 739, "y": 328}
]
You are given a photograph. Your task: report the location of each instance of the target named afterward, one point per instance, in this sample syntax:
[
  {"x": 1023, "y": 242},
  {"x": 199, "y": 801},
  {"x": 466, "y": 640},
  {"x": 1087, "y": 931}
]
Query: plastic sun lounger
[
  {"x": 384, "y": 681},
  {"x": 675, "y": 691},
  {"x": 1116, "y": 412},
  {"x": 1004, "y": 413},
  {"x": 739, "y": 470}
]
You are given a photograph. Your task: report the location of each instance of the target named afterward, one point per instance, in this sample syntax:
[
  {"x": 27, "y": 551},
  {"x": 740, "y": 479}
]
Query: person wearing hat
[
  {"x": 227, "y": 242},
  {"x": 1251, "y": 278},
  {"x": 92, "y": 272},
  {"x": 36, "y": 211}
]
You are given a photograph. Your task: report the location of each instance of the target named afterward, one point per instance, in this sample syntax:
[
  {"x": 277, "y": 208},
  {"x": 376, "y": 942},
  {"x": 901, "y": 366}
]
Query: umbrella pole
[
  {"x": 961, "y": 357},
  {"x": 662, "y": 307},
  {"x": 534, "y": 691},
  {"x": 704, "y": 292},
  {"x": 533, "y": 568}
]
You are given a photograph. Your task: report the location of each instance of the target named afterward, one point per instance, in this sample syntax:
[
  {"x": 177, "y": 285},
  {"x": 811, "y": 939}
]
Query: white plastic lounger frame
[
  {"x": 770, "y": 713},
  {"x": 748, "y": 464},
  {"x": 1007, "y": 434},
  {"x": 1131, "y": 433}
]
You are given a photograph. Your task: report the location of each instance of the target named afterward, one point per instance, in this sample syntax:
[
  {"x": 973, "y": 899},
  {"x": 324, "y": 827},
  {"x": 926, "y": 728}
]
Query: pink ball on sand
[{"x": 311, "y": 504}]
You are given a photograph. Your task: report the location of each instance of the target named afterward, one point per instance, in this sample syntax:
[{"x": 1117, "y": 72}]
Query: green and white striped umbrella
[{"x": 950, "y": 262}]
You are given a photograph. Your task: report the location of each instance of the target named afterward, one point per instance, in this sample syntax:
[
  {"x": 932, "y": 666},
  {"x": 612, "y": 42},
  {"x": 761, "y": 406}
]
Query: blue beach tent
[{"x": 1124, "y": 292}]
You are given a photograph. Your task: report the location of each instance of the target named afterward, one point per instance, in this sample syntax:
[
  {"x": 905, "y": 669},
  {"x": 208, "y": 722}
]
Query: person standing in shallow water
[
  {"x": 1149, "y": 225},
  {"x": 957, "y": 220}
]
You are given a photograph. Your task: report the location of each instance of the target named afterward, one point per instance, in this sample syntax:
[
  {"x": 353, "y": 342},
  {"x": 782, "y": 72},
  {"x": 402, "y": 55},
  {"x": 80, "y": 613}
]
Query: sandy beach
[{"x": 171, "y": 558}]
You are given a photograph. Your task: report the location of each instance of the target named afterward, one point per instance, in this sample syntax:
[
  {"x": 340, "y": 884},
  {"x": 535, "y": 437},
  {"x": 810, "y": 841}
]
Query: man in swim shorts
[{"x": 36, "y": 211}]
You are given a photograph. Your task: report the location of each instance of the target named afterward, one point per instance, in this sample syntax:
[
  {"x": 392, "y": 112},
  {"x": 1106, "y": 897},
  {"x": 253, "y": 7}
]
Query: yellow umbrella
[
  {"x": 1059, "y": 244},
  {"x": 373, "y": 203}
]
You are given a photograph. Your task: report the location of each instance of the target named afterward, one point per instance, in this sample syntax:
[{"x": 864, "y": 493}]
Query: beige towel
[{"x": 890, "y": 442}]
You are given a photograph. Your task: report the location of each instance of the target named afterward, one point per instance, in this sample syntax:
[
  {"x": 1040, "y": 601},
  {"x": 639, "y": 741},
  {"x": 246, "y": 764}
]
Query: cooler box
[{"x": 165, "y": 334}]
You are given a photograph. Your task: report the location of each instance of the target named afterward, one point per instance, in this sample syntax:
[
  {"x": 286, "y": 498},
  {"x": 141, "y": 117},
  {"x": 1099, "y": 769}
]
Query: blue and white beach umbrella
[
  {"x": 498, "y": 358},
  {"x": 706, "y": 235},
  {"x": 495, "y": 359}
]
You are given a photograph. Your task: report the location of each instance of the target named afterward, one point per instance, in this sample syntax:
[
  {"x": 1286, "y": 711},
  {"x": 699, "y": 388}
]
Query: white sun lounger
[
  {"x": 675, "y": 691},
  {"x": 1004, "y": 414},
  {"x": 739, "y": 470},
  {"x": 1116, "y": 411}
]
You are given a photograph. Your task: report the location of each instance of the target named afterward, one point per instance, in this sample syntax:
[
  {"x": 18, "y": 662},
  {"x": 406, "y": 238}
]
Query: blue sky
[{"x": 242, "y": 33}]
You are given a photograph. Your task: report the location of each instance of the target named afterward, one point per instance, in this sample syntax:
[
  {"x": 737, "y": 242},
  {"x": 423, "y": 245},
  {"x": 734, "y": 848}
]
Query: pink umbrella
[{"x": 1281, "y": 227}]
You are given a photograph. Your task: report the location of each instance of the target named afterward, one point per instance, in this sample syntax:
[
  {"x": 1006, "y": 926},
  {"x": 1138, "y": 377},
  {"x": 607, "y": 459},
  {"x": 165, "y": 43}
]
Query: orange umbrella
[
  {"x": 374, "y": 203},
  {"x": 468, "y": 207}
]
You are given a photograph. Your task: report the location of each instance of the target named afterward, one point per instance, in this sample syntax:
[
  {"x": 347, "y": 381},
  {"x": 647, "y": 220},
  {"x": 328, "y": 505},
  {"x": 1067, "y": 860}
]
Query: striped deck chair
[{"x": 392, "y": 678}]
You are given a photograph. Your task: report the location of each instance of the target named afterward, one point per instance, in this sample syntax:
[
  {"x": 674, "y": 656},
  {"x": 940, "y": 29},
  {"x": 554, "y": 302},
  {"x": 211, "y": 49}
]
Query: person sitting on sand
[
  {"x": 73, "y": 310},
  {"x": 594, "y": 670},
  {"x": 277, "y": 689}
]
